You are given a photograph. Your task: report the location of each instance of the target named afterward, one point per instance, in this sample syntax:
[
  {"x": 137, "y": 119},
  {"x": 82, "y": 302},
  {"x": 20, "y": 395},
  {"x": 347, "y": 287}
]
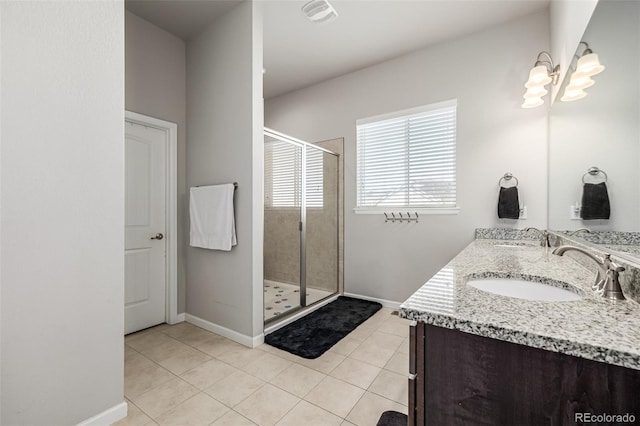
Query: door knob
[{"x": 158, "y": 236}]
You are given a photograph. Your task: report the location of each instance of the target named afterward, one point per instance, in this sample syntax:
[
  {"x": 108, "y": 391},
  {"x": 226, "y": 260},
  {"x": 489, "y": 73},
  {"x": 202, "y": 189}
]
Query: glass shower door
[
  {"x": 320, "y": 216},
  {"x": 300, "y": 224},
  {"x": 282, "y": 222}
]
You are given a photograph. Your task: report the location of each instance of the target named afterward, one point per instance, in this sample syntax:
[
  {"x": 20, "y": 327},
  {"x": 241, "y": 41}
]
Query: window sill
[
  {"x": 292, "y": 208},
  {"x": 403, "y": 210}
]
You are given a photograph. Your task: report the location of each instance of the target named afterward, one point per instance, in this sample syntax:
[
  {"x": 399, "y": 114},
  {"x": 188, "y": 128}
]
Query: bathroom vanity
[{"x": 482, "y": 358}]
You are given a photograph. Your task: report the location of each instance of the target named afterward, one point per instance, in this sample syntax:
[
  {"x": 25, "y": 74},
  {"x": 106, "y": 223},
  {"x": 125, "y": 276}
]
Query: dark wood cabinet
[{"x": 458, "y": 378}]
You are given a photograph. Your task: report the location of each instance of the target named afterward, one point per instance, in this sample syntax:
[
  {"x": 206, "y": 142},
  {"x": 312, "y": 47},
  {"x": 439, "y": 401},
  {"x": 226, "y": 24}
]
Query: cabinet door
[
  {"x": 416, "y": 374},
  {"x": 412, "y": 373}
]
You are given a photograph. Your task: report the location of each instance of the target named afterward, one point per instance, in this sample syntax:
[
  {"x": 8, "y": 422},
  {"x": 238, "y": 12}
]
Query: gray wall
[
  {"x": 62, "y": 201},
  {"x": 486, "y": 73},
  {"x": 155, "y": 85},
  {"x": 225, "y": 144}
]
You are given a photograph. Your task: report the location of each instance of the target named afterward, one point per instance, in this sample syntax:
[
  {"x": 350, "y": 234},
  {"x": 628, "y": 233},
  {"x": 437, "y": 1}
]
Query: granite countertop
[
  {"x": 635, "y": 250},
  {"x": 592, "y": 328}
]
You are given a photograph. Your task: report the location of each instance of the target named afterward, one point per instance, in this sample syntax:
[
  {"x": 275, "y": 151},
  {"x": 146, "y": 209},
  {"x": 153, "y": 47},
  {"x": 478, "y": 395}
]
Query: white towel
[{"x": 211, "y": 211}]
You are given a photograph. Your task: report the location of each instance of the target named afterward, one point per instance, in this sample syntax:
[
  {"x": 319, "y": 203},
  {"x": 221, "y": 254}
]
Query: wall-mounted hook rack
[{"x": 400, "y": 218}]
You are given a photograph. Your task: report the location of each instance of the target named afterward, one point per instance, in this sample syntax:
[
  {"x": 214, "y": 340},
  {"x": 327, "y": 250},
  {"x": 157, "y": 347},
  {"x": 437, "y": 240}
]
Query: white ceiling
[
  {"x": 298, "y": 53},
  {"x": 182, "y": 18}
]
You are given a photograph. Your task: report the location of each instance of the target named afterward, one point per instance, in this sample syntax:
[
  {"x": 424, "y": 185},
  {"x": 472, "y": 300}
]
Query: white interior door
[{"x": 145, "y": 227}]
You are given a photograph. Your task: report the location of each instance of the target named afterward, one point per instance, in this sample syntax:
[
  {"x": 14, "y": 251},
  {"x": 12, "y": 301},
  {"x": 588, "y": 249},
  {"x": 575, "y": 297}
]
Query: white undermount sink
[{"x": 522, "y": 289}]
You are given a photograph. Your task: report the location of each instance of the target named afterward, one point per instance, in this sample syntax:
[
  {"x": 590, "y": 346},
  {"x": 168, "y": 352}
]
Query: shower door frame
[{"x": 303, "y": 223}]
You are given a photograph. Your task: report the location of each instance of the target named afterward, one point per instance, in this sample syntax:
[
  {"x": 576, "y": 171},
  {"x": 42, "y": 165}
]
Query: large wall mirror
[{"x": 601, "y": 130}]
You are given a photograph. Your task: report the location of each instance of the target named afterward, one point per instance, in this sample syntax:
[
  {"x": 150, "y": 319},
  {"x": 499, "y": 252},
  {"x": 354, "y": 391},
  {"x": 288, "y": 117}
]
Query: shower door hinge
[{"x": 300, "y": 226}]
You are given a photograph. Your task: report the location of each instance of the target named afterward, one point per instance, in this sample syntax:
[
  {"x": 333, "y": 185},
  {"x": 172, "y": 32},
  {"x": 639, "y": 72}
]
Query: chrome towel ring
[
  {"x": 507, "y": 177},
  {"x": 594, "y": 171}
]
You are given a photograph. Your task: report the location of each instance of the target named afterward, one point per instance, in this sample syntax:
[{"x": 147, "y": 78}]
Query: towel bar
[{"x": 235, "y": 185}]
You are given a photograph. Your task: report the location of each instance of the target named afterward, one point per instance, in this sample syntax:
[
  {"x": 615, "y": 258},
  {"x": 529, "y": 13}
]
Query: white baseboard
[
  {"x": 258, "y": 340},
  {"x": 385, "y": 303},
  {"x": 245, "y": 340},
  {"x": 107, "y": 417},
  {"x": 177, "y": 319},
  {"x": 252, "y": 342}
]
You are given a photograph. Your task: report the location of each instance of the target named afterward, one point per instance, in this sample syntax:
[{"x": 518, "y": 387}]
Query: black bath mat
[
  {"x": 312, "y": 335},
  {"x": 392, "y": 418}
]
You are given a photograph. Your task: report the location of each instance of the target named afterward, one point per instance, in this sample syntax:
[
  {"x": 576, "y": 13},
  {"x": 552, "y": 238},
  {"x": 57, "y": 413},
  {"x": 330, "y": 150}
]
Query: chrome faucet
[
  {"x": 587, "y": 230},
  {"x": 544, "y": 242},
  {"x": 607, "y": 282}
]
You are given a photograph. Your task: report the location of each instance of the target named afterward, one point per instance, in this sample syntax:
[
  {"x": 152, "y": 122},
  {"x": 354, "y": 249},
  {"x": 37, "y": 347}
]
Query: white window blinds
[
  {"x": 408, "y": 158},
  {"x": 315, "y": 176},
  {"x": 283, "y": 175}
]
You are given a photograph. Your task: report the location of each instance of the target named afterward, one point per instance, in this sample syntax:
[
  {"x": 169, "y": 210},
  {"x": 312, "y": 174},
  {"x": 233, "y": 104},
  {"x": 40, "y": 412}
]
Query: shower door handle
[{"x": 300, "y": 226}]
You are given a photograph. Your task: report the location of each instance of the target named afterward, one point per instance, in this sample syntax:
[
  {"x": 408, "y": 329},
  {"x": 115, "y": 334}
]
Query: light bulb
[
  {"x": 532, "y": 102},
  {"x": 535, "y": 92},
  {"x": 580, "y": 81},
  {"x": 589, "y": 64},
  {"x": 573, "y": 94},
  {"x": 538, "y": 76}
]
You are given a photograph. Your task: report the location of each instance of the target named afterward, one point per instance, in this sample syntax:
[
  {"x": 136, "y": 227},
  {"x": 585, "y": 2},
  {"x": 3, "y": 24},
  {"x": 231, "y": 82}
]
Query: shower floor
[{"x": 279, "y": 298}]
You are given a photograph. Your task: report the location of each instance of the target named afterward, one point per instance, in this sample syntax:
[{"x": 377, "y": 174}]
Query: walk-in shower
[{"x": 300, "y": 224}]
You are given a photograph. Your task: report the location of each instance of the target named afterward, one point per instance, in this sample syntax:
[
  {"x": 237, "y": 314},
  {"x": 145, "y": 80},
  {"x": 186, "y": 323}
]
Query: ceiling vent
[{"x": 319, "y": 11}]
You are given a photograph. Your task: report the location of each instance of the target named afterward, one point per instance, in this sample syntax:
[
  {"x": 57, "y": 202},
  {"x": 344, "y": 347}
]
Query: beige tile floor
[{"x": 183, "y": 375}]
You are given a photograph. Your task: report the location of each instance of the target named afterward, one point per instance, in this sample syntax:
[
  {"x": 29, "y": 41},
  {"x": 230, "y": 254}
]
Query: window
[
  {"x": 283, "y": 175},
  {"x": 408, "y": 159},
  {"x": 315, "y": 176}
]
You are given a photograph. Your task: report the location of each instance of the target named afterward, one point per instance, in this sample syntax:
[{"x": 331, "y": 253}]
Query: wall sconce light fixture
[
  {"x": 588, "y": 65},
  {"x": 542, "y": 73}
]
